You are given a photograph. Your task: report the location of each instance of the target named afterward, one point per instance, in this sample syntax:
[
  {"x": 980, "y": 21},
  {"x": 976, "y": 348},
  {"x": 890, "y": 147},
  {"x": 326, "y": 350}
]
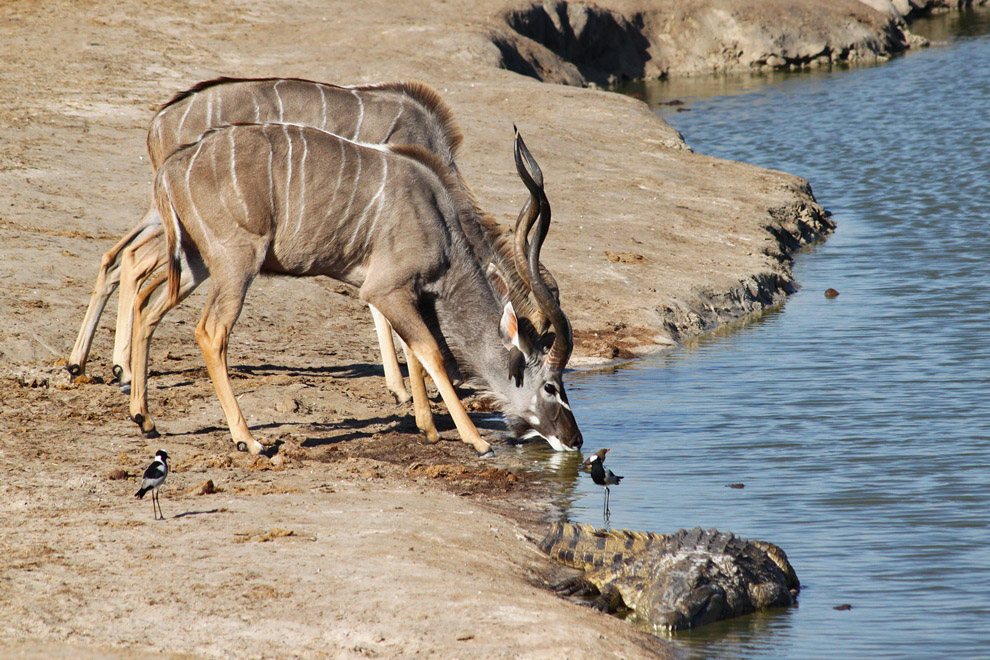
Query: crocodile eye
[{"x": 550, "y": 389}]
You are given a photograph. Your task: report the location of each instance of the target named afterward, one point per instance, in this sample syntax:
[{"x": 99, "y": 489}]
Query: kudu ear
[{"x": 508, "y": 329}]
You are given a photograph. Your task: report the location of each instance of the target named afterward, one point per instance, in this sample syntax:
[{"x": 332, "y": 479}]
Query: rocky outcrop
[
  {"x": 579, "y": 43},
  {"x": 723, "y": 35},
  {"x": 913, "y": 8},
  {"x": 792, "y": 227},
  {"x": 574, "y": 43}
]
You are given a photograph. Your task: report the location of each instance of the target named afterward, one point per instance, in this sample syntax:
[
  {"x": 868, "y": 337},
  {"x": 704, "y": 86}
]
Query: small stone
[
  {"x": 737, "y": 485},
  {"x": 274, "y": 533},
  {"x": 287, "y": 404},
  {"x": 831, "y": 293},
  {"x": 205, "y": 488},
  {"x": 844, "y": 607}
]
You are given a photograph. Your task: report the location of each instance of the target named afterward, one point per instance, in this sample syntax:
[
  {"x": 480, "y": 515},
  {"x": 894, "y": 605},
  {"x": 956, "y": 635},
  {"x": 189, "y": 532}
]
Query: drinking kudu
[{"x": 389, "y": 220}]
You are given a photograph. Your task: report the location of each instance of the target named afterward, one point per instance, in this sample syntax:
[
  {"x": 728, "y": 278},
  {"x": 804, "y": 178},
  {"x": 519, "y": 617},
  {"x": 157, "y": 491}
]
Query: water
[{"x": 860, "y": 426}]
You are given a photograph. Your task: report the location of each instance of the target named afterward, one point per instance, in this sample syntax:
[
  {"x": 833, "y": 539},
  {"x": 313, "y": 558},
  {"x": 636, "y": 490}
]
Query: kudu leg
[
  {"x": 150, "y": 306},
  {"x": 106, "y": 282},
  {"x": 421, "y": 400},
  {"x": 212, "y": 334},
  {"x": 138, "y": 262},
  {"x": 393, "y": 376},
  {"x": 400, "y": 310}
]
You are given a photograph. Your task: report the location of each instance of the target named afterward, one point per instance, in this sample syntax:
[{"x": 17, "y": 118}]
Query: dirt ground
[{"x": 354, "y": 539}]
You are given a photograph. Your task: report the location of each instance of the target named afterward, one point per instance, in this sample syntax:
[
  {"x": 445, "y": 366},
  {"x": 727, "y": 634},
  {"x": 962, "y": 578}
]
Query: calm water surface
[{"x": 860, "y": 426}]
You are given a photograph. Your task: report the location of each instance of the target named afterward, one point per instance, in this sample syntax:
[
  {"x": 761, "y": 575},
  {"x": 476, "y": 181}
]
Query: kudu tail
[{"x": 173, "y": 238}]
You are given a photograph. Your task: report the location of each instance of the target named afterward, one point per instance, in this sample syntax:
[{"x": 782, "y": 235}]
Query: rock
[
  {"x": 271, "y": 535},
  {"x": 625, "y": 257},
  {"x": 580, "y": 44},
  {"x": 288, "y": 404},
  {"x": 205, "y": 488}
]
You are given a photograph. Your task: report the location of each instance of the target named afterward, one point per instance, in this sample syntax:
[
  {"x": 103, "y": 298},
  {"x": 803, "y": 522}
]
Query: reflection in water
[
  {"x": 671, "y": 97},
  {"x": 858, "y": 424},
  {"x": 953, "y": 25},
  {"x": 735, "y": 633},
  {"x": 558, "y": 469}
]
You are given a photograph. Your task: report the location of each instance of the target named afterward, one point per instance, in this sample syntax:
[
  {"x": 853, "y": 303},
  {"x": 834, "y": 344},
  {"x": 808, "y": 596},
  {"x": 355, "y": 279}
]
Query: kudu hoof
[
  {"x": 125, "y": 388},
  {"x": 488, "y": 454},
  {"x": 117, "y": 371},
  {"x": 242, "y": 446},
  {"x": 73, "y": 369},
  {"x": 149, "y": 434}
]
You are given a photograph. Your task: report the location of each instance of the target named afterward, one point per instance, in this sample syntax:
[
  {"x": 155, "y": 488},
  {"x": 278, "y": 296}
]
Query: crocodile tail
[{"x": 779, "y": 557}]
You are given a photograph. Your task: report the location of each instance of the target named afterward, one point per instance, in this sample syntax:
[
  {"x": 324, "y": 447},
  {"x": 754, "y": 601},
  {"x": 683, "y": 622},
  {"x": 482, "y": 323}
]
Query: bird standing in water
[
  {"x": 154, "y": 477},
  {"x": 602, "y": 475}
]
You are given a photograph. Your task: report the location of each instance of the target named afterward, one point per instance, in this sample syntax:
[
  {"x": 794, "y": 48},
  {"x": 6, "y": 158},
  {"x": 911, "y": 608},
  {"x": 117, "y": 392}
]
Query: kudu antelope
[
  {"x": 263, "y": 198},
  {"x": 397, "y": 113}
]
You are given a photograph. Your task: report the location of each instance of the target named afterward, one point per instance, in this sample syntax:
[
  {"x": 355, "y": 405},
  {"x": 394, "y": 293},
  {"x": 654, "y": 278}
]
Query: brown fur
[{"x": 432, "y": 101}]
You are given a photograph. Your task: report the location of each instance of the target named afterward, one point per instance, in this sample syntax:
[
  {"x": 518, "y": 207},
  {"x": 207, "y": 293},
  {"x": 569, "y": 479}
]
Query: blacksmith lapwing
[{"x": 154, "y": 477}]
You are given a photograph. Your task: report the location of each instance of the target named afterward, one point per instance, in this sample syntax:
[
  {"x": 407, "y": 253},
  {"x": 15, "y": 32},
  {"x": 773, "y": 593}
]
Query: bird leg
[{"x": 608, "y": 514}]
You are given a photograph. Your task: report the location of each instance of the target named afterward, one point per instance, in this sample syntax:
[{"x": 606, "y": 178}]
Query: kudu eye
[{"x": 550, "y": 389}]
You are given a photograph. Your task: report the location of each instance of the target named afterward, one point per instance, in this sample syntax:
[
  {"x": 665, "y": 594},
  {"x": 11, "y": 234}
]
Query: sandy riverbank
[{"x": 395, "y": 548}]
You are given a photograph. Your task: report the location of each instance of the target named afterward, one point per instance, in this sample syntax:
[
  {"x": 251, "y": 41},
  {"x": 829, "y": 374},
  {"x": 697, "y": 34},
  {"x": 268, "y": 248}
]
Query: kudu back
[{"x": 389, "y": 220}]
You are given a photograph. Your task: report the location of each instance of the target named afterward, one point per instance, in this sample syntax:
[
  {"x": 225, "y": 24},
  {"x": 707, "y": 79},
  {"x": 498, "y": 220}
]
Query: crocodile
[{"x": 672, "y": 581}]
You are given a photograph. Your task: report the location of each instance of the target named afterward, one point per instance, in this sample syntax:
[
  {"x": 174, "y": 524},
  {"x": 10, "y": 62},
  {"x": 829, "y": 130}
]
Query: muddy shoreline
[{"x": 354, "y": 539}]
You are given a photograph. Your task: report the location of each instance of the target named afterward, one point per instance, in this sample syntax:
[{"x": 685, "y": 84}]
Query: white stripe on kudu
[
  {"x": 360, "y": 118},
  {"x": 302, "y": 182},
  {"x": 233, "y": 174},
  {"x": 359, "y": 227},
  {"x": 288, "y": 196},
  {"x": 278, "y": 97},
  {"x": 323, "y": 103}
]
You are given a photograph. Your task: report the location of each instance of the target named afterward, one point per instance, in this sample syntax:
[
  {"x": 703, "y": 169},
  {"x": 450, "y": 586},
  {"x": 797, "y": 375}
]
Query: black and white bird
[
  {"x": 601, "y": 475},
  {"x": 154, "y": 477}
]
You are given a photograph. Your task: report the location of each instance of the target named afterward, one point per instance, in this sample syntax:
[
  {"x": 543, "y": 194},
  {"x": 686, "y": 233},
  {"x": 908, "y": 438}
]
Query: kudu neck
[{"x": 469, "y": 313}]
